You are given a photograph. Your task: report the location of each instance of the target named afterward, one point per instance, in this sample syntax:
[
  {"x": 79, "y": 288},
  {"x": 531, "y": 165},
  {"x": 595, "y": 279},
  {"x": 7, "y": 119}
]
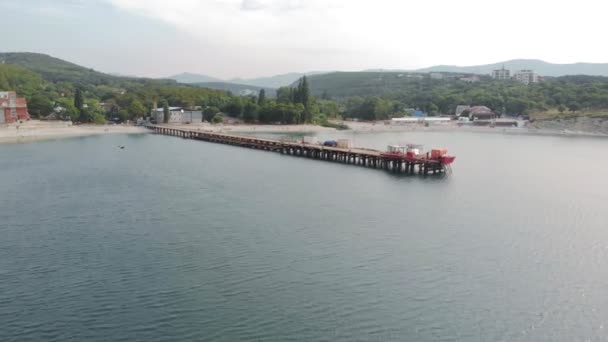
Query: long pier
[{"x": 353, "y": 156}]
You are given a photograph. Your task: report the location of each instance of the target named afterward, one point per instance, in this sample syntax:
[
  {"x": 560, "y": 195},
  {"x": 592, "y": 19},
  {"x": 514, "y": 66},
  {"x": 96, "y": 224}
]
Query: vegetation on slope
[
  {"x": 386, "y": 93},
  {"x": 48, "y": 82}
]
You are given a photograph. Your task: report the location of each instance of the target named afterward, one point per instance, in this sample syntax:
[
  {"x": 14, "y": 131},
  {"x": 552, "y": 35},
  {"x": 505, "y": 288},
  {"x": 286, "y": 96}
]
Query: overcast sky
[{"x": 247, "y": 38}]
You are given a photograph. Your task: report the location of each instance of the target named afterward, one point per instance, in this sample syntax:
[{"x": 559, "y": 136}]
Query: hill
[
  {"x": 57, "y": 70},
  {"x": 187, "y": 77},
  {"x": 47, "y": 82},
  {"x": 383, "y": 93},
  {"x": 238, "y": 89},
  {"x": 269, "y": 82},
  {"x": 275, "y": 81},
  {"x": 541, "y": 67},
  {"x": 367, "y": 83}
]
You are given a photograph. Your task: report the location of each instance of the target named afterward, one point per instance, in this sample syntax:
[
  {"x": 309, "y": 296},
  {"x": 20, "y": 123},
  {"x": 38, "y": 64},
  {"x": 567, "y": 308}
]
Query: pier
[{"x": 364, "y": 157}]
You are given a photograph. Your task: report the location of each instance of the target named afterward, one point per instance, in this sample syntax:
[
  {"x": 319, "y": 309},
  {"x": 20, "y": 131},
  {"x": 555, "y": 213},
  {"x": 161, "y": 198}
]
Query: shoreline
[
  {"x": 380, "y": 127},
  {"x": 34, "y": 130}
]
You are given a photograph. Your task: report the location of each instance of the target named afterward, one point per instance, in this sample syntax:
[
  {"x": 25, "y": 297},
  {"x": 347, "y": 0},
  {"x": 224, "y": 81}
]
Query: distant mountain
[
  {"x": 270, "y": 82},
  {"x": 186, "y": 77},
  {"x": 57, "y": 70},
  {"x": 237, "y": 89},
  {"x": 52, "y": 68},
  {"x": 541, "y": 67}
]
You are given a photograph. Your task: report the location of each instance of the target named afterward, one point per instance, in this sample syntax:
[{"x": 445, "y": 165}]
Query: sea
[{"x": 171, "y": 239}]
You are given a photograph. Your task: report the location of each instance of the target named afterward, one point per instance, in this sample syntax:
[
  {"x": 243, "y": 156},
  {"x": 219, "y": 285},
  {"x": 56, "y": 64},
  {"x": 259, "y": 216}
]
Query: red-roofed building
[{"x": 12, "y": 108}]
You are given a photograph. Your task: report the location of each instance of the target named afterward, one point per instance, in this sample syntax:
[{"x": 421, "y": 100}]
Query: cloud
[
  {"x": 287, "y": 35},
  {"x": 252, "y": 5}
]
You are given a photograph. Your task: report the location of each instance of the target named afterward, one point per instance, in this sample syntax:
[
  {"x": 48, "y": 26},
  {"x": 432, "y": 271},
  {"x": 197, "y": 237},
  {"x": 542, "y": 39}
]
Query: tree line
[{"x": 365, "y": 96}]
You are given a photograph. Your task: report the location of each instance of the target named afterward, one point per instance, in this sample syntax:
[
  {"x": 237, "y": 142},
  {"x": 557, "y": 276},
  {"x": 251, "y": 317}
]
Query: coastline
[
  {"x": 380, "y": 127},
  {"x": 35, "y": 130}
]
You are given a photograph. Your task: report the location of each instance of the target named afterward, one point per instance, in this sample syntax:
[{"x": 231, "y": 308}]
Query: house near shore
[
  {"x": 12, "y": 108},
  {"x": 177, "y": 115},
  {"x": 481, "y": 113}
]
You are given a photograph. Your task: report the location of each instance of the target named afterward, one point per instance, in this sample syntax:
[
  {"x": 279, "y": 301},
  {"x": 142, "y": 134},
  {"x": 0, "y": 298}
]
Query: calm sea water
[{"x": 176, "y": 240}]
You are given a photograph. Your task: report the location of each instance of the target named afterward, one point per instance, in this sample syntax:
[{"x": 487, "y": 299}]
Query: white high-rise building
[
  {"x": 501, "y": 74},
  {"x": 526, "y": 76}
]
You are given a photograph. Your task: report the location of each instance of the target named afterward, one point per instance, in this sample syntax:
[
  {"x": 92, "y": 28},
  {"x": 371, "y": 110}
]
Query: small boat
[{"x": 413, "y": 153}]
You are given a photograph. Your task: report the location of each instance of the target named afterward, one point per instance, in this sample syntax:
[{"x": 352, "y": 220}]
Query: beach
[
  {"x": 35, "y": 130},
  {"x": 381, "y": 127}
]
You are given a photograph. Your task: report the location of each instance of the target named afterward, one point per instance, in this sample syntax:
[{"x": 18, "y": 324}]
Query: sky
[{"x": 252, "y": 38}]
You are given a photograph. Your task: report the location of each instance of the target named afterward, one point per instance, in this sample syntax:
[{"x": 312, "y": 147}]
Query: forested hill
[
  {"x": 51, "y": 85},
  {"x": 237, "y": 89},
  {"x": 47, "y": 82},
  {"x": 441, "y": 96},
  {"x": 541, "y": 67},
  {"x": 57, "y": 70}
]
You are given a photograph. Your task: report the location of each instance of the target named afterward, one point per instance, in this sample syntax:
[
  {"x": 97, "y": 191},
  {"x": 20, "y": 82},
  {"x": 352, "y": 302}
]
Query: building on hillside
[
  {"x": 13, "y": 108},
  {"x": 481, "y": 113},
  {"x": 414, "y": 112},
  {"x": 501, "y": 74},
  {"x": 526, "y": 76},
  {"x": 189, "y": 116},
  {"x": 470, "y": 78},
  {"x": 177, "y": 115},
  {"x": 436, "y": 75}
]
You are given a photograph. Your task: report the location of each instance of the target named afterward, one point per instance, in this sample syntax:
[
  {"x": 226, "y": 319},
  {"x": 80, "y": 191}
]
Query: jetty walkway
[{"x": 354, "y": 156}]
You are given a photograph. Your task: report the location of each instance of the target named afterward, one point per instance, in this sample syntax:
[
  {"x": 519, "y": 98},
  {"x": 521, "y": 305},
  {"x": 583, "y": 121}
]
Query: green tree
[
  {"x": 78, "y": 99},
  {"x": 234, "y": 107},
  {"x": 136, "y": 109},
  {"x": 433, "y": 109},
  {"x": 79, "y": 104},
  {"x": 166, "y": 112},
  {"x": 217, "y": 118},
  {"x": 573, "y": 106},
  {"x": 304, "y": 92},
  {"x": 329, "y": 108},
  {"x": 99, "y": 119},
  {"x": 561, "y": 108},
  {"x": 209, "y": 112},
  {"x": 250, "y": 112},
  {"x": 69, "y": 110},
  {"x": 39, "y": 105},
  {"x": 123, "y": 115},
  {"x": 262, "y": 97},
  {"x": 285, "y": 95}
]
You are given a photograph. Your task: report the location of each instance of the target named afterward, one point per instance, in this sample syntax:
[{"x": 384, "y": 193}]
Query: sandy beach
[
  {"x": 35, "y": 130},
  {"x": 381, "y": 127}
]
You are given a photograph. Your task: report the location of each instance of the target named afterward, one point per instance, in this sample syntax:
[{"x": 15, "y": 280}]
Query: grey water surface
[{"x": 181, "y": 240}]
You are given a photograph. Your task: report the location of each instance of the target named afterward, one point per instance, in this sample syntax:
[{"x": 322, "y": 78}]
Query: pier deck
[{"x": 353, "y": 156}]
